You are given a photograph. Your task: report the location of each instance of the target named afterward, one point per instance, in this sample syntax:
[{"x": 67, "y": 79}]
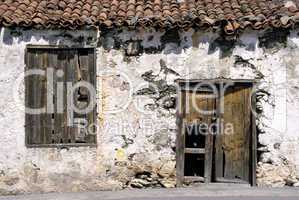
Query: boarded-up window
[{"x": 60, "y": 108}]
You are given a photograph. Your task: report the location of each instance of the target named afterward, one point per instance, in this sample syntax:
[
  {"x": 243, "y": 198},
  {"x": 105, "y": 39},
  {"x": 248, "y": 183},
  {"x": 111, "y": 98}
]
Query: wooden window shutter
[{"x": 63, "y": 125}]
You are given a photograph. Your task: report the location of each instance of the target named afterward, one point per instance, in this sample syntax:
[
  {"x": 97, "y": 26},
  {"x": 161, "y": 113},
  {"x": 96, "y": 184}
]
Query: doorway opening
[{"x": 216, "y": 140}]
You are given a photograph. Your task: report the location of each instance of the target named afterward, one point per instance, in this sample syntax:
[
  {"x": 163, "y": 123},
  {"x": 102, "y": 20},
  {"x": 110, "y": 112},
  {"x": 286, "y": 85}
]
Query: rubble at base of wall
[{"x": 269, "y": 175}]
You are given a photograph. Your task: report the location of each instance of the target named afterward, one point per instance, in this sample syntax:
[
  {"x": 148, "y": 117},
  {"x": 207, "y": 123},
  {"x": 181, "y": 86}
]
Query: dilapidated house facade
[{"x": 152, "y": 65}]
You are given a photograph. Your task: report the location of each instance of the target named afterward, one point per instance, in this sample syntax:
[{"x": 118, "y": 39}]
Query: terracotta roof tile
[{"x": 72, "y": 14}]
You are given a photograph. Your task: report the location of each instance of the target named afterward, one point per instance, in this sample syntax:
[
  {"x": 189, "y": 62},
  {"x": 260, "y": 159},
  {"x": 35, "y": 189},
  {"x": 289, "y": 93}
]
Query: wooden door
[
  {"x": 227, "y": 151},
  {"x": 234, "y": 141}
]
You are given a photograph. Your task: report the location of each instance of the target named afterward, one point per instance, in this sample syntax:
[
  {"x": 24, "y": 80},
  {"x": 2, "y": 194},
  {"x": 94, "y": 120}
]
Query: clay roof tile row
[{"x": 72, "y": 14}]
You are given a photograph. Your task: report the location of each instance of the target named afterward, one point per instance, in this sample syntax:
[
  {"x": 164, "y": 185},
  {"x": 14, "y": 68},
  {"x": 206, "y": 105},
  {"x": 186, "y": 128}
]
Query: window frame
[{"x": 61, "y": 47}]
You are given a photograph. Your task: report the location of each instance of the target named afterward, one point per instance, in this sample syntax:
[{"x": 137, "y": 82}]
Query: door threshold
[{"x": 221, "y": 185}]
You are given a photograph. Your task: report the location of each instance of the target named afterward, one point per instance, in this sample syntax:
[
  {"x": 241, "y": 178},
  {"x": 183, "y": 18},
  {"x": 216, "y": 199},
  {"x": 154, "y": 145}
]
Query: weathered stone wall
[{"x": 136, "y": 106}]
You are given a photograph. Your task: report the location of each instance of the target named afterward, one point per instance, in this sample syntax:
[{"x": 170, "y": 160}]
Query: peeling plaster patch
[
  {"x": 242, "y": 63},
  {"x": 274, "y": 39},
  {"x": 225, "y": 45},
  {"x": 162, "y": 93}
]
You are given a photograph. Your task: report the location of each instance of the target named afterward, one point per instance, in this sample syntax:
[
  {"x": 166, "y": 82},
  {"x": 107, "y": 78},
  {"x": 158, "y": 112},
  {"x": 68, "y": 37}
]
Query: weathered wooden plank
[
  {"x": 180, "y": 139},
  {"x": 253, "y": 141},
  {"x": 83, "y": 67},
  {"x": 41, "y": 99},
  {"x": 35, "y": 98},
  {"x": 218, "y": 139},
  {"x": 60, "y": 145},
  {"x": 71, "y": 71},
  {"x": 209, "y": 141},
  {"x": 247, "y": 134},
  {"x": 28, "y": 98},
  {"x": 48, "y": 64},
  {"x": 60, "y": 122},
  {"x": 58, "y": 47},
  {"x": 218, "y": 81},
  {"x": 237, "y": 181},
  {"x": 93, "y": 80},
  {"x": 83, "y": 74},
  {"x": 231, "y": 110},
  {"x": 192, "y": 179},
  {"x": 45, "y": 126},
  {"x": 195, "y": 151}
]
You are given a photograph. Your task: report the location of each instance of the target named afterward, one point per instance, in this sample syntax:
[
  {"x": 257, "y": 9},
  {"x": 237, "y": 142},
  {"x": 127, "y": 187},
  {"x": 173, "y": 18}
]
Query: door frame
[{"x": 187, "y": 85}]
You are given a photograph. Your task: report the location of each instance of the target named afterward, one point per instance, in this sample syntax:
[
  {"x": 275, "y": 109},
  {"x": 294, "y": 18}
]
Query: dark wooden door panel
[{"x": 195, "y": 138}]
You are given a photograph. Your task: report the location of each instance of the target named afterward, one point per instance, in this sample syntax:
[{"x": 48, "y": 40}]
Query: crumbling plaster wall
[{"x": 136, "y": 106}]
